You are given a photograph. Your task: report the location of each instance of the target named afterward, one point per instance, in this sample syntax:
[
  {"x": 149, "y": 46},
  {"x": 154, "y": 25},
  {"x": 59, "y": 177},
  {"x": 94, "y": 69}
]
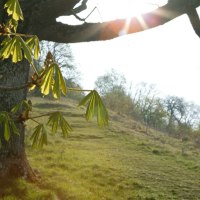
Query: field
[{"x": 120, "y": 162}]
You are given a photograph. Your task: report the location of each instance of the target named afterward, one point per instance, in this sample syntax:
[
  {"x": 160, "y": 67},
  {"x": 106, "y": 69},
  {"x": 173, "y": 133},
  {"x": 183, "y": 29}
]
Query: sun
[
  {"x": 112, "y": 9},
  {"x": 126, "y": 9},
  {"x": 106, "y": 10}
]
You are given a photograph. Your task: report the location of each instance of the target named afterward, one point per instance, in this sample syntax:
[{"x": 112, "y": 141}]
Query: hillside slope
[{"x": 120, "y": 162}]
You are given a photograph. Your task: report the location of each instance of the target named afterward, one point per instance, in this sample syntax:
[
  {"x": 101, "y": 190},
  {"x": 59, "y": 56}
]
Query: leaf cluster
[
  {"x": 16, "y": 47},
  {"x": 54, "y": 81},
  {"x": 56, "y": 119},
  {"x": 95, "y": 107},
  {"x": 14, "y": 9},
  {"x": 50, "y": 79},
  {"x": 8, "y": 125},
  {"x": 39, "y": 136}
]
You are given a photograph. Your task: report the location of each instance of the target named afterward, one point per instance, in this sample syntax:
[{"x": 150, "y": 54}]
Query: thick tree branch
[
  {"x": 48, "y": 29},
  {"x": 194, "y": 20}
]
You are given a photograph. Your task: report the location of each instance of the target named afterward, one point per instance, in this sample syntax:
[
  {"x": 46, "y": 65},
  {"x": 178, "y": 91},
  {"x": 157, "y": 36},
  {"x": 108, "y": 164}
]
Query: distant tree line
[{"x": 171, "y": 114}]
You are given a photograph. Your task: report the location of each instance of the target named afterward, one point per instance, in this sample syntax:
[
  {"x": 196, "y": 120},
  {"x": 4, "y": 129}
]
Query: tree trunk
[
  {"x": 13, "y": 161},
  {"x": 40, "y": 19}
]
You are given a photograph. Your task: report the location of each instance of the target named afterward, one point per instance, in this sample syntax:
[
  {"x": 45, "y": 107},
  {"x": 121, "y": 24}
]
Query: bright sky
[{"x": 167, "y": 56}]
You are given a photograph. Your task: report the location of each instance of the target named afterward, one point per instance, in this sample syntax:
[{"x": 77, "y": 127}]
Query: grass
[{"x": 120, "y": 162}]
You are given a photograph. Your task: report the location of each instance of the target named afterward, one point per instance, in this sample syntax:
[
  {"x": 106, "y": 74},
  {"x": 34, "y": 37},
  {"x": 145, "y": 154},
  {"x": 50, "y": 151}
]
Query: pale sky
[{"x": 167, "y": 56}]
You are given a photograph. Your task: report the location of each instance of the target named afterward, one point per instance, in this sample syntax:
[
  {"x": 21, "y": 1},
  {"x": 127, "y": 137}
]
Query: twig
[
  {"x": 34, "y": 120},
  {"x": 83, "y": 19},
  {"x": 78, "y": 90},
  {"x": 43, "y": 115},
  {"x": 34, "y": 68},
  {"x": 17, "y": 34}
]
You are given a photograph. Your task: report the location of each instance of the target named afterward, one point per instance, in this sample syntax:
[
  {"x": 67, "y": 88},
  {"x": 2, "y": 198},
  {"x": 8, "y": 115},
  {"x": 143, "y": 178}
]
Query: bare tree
[{"x": 63, "y": 56}]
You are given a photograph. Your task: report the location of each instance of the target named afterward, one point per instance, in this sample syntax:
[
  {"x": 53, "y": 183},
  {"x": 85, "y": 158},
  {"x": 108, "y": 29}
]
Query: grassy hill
[{"x": 120, "y": 162}]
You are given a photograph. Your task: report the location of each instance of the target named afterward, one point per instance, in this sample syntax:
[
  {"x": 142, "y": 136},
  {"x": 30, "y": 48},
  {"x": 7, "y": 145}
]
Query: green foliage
[
  {"x": 39, "y": 136},
  {"x": 33, "y": 44},
  {"x": 109, "y": 82},
  {"x": 13, "y": 46},
  {"x": 14, "y": 9},
  {"x": 118, "y": 101},
  {"x": 56, "y": 119},
  {"x": 53, "y": 80},
  {"x": 24, "y": 105},
  {"x": 63, "y": 56},
  {"x": 50, "y": 79},
  {"x": 112, "y": 87},
  {"x": 95, "y": 107},
  {"x": 12, "y": 25},
  {"x": 16, "y": 47},
  {"x": 8, "y": 124}
]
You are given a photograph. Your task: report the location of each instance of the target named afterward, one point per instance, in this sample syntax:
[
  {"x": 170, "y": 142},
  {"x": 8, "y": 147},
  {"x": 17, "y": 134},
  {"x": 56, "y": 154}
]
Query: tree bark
[{"x": 13, "y": 161}]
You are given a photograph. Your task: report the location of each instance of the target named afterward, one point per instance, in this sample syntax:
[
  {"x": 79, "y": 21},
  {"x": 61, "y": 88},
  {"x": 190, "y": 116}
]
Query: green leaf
[
  {"x": 7, "y": 49},
  {"x": 26, "y": 49},
  {"x": 62, "y": 83},
  {"x": 16, "y": 107},
  {"x": 35, "y": 135},
  {"x": 95, "y": 107},
  {"x": 47, "y": 81},
  {"x": 13, "y": 8},
  {"x": 91, "y": 109},
  {"x": 57, "y": 119},
  {"x": 65, "y": 127},
  {"x": 85, "y": 100},
  {"x": 53, "y": 121},
  {"x": 8, "y": 125},
  {"x": 54, "y": 80},
  {"x": 24, "y": 105},
  {"x": 13, "y": 47},
  {"x": 6, "y": 130},
  {"x": 43, "y": 137},
  {"x": 59, "y": 82},
  {"x": 102, "y": 113},
  {"x": 39, "y": 136},
  {"x": 17, "y": 53},
  {"x": 56, "y": 85},
  {"x": 13, "y": 24},
  {"x": 6, "y": 40},
  {"x": 14, "y": 128},
  {"x": 33, "y": 43}
]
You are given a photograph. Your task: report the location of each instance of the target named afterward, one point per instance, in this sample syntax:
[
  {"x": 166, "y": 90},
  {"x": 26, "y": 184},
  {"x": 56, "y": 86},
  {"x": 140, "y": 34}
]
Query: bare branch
[{"x": 80, "y": 8}]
